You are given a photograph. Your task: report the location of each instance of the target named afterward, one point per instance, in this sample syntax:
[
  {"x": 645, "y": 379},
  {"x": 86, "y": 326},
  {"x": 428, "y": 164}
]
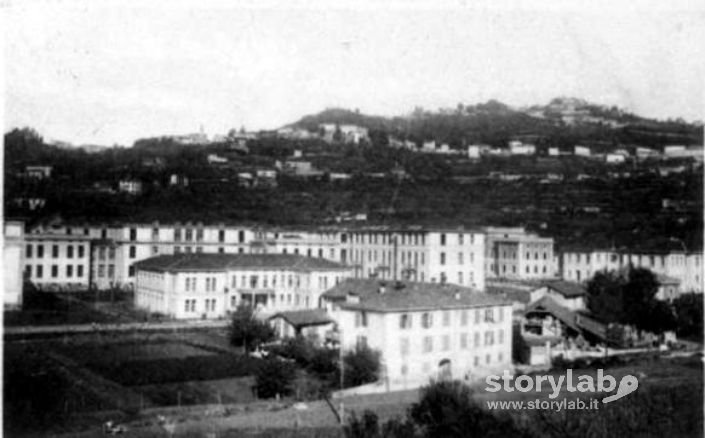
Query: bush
[
  {"x": 446, "y": 409},
  {"x": 361, "y": 366},
  {"x": 274, "y": 377}
]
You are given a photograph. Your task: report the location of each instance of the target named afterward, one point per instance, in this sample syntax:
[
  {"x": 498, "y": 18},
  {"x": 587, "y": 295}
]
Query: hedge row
[{"x": 169, "y": 370}]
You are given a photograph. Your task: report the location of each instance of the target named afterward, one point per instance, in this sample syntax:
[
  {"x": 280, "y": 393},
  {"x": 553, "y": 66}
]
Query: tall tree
[{"x": 247, "y": 331}]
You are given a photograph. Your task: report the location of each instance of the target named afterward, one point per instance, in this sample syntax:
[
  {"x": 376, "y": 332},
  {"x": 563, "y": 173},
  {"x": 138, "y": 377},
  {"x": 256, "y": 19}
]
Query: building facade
[
  {"x": 687, "y": 268},
  {"x": 12, "y": 263},
  {"x": 58, "y": 258},
  {"x": 189, "y": 286},
  {"x": 417, "y": 254},
  {"x": 513, "y": 253},
  {"x": 423, "y": 330}
]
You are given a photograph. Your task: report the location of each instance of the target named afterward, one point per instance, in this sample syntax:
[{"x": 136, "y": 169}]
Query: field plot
[
  {"x": 225, "y": 391},
  {"x": 132, "y": 351},
  {"x": 158, "y": 362},
  {"x": 38, "y": 394}
]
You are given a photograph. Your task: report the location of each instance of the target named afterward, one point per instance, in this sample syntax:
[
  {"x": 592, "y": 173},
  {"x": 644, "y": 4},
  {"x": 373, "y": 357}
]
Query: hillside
[{"x": 563, "y": 122}]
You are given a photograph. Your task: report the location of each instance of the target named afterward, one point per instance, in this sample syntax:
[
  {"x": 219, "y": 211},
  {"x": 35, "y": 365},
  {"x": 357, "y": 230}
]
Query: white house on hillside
[{"x": 423, "y": 330}]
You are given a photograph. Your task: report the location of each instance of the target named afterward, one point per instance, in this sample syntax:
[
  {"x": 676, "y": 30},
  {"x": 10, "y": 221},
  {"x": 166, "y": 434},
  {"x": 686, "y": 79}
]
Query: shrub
[
  {"x": 274, "y": 376},
  {"x": 361, "y": 366},
  {"x": 446, "y": 409}
]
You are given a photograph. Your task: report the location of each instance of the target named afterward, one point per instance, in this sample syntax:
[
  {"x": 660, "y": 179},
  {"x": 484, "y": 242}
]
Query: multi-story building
[
  {"x": 515, "y": 254},
  {"x": 324, "y": 243},
  {"x": 418, "y": 254},
  {"x": 58, "y": 258},
  {"x": 581, "y": 265},
  {"x": 12, "y": 263},
  {"x": 432, "y": 255},
  {"x": 110, "y": 251},
  {"x": 423, "y": 330},
  {"x": 200, "y": 285}
]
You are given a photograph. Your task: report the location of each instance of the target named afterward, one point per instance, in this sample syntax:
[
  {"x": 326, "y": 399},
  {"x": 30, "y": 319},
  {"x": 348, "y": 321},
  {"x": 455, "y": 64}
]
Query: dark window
[
  {"x": 103, "y": 233},
  {"x": 221, "y": 236},
  {"x": 29, "y": 251},
  {"x": 443, "y": 239},
  {"x": 133, "y": 234},
  {"x": 79, "y": 271},
  {"x": 131, "y": 271},
  {"x": 54, "y": 271},
  {"x": 69, "y": 251},
  {"x": 40, "y": 251},
  {"x": 40, "y": 271},
  {"x": 241, "y": 236},
  {"x": 69, "y": 271},
  {"x": 55, "y": 251},
  {"x": 81, "y": 251},
  {"x": 133, "y": 252}
]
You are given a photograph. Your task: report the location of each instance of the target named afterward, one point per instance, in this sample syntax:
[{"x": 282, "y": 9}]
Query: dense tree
[
  {"x": 629, "y": 298},
  {"x": 361, "y": 366},
  {"x": 275, "y": 377},
  {"x": 689, "y": 316},
  {"x": 446, "y": 409},
  {"x": 247, "y": 331}
]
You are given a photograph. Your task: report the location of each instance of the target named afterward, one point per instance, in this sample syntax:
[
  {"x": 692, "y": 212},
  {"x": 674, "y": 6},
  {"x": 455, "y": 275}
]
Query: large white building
[
  {"x": 106, "y": 254},
  {"x": 12, "y": 263},
  {"x": 417, "y": 254},
  {"x": 513, "y": 253},
  {"x": 687, "y": 268},
  {"x": 211, "y": 285},
  {"x": 327, "y": 243},
  {"x": 58, "y": 258},
  {"x": 423, "y": 330}
]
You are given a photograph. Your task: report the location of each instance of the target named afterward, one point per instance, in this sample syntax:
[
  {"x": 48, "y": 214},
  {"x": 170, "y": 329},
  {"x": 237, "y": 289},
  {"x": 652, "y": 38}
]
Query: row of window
[
  {"x": 406, "y": 320},
  {"x": 444, "y": 343},
  {"x": 102, "y": 271},
  {"x": 402, "y": 238},
  {"x": 461, "y": 258},
  {"x": 79, "y": 251},
  {"x": 513, "y": 255},
  {"x": 527, "y": 269},
  {"x": 387, "y": 239},
  {"x": 110, "y": 251},
  {"x": 38, "y": 271},
  {"x": 188, "y": 235},
  {"x": 191, "y": 284}
]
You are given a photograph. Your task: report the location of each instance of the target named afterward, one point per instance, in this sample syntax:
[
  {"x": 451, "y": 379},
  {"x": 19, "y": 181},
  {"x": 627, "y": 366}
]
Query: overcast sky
[{"x": 114, "y": 73}]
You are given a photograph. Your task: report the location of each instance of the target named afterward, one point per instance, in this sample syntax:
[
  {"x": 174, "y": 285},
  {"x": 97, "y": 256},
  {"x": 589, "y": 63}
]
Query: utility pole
[{"x": 342, "y": 374}]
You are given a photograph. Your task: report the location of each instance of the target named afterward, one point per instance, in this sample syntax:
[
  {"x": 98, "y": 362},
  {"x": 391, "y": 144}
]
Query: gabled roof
[
  {"x": 568, "y": 289},
  {"x": 304, "y": 318},
  {"x": 393, "y": 296},
  {"x": 224, "y": 262},
  {"x": 516, "y": 295},
  {"x": 548, "y": 305}
]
